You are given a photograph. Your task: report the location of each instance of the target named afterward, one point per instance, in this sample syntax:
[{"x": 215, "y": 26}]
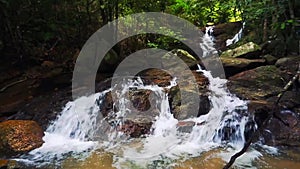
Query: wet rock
[
  {"x": 289, "y": 64},
  {"x": 136, "y": 128},
  {"x": 185, "y": 56},
  {"x": 284, "y": 134},
  {"x": 142, "y": 102},
  {"x": 257, "y": 84},
  {"x": 19, "y": 136},
  {"x": 156, "y": 76},
  {"x": 283, "y": 129},
  {"x": 236, "y": 65},
  {"x": 249, "y": 50},
  {"x": 271, "y": 60},
  {"x": 225, "y": 31}
]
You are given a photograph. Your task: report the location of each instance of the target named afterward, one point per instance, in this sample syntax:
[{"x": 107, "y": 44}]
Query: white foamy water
[
  {"x": 167, "y": 141},
  {"x": 207, "y": 45},
  {"x": 236, "y": 37},
  {"x": 80, "y": 127}
]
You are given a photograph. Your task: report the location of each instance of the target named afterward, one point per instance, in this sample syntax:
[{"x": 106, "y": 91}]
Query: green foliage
[{"x": 33, "y": 27}]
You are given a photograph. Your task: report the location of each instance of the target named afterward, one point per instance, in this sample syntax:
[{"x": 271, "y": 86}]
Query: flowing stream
[
  {"x": 80, "y": 132},
  {"x": 221, "y": 130}
]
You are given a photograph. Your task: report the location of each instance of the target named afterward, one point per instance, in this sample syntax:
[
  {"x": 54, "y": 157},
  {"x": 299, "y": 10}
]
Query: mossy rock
[
  {"x": 185, "y": 56},
  {"x": 236, "y": 65},
  {"x": 248, "y": 50},
  {"x": 257, "y": 84},
  {"x": 19, "y": 136}
]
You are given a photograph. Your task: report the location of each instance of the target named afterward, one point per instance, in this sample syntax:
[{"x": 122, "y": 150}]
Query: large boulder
[
  {"x": 261, "y": 86},
  {"x": 283, "y": 129},
  {"x": 236, "y": 65},
  {"x": 19, "y": 136},
  {"x": 288, "y": 64},
  {"x": 142, "y": 101},
  {"x": 257, "y": 84},
  {"x": 249, "y": 50}
]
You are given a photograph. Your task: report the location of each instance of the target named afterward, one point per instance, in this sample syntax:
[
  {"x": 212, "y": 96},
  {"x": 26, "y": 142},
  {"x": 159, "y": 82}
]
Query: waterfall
[
  {"x": 81, "y": 128},
  {"x": 236, "y": 37},
  {"x": 73, "y": 130}
]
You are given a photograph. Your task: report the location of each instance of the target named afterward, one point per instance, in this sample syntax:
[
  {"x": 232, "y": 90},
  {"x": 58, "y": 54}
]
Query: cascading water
[
  {"x": 77, "y": 124},
  {"x": 81, "y": 128},
  {"x": 236, "y": 37}
]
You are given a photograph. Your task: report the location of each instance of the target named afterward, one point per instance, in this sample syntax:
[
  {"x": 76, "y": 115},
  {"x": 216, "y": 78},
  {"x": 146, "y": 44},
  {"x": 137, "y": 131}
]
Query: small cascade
[
  {"x": 208, "y": 42},
  {"x": 236, "y": 37},
  {"x": 81, "y": 128},
  {"x": 72, "y": 130}
]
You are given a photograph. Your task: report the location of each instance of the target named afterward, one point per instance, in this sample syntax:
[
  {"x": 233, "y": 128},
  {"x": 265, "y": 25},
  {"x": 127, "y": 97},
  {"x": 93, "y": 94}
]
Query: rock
[
  {"x": 236, "y": 65},
  {"x": 163, "y": 79},
  {"x": 4, "y": 163},
  {"x": 289, "y": 63},
  {"x": 282, "y": 130},
  {"x": 19, "y": 136},
  {"x": 136, "y": 128},
  {"x": 249, "y": 50},
  {"x": 48, "y": 64},
  {"x": 143, "y": 102},
  {"x": 257, "y": 84},
  {"x": 284, "y": 135},
  {"x": 225, "y": 31},
  {"x": 184, "y": 56},
  {"x": 161, "y": 60},
  {"x": 271, "y": 60}
]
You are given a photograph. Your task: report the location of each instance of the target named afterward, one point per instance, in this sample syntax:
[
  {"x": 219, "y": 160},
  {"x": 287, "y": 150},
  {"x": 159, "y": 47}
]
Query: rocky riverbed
[{"x": 31, "y": 100}]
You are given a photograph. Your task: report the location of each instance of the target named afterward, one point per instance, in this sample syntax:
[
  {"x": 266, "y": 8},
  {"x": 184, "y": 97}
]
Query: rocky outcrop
[
  {"x": 249, "y": 50},
  {"x": 257, "y": 84},
  {"x": 139, "y": 121},
  {"x": 261, "y": 86},
  {"x": 242, "y": 58},
  {"x": 233, "y": 66},
  {"x": 19, "y": 136}
]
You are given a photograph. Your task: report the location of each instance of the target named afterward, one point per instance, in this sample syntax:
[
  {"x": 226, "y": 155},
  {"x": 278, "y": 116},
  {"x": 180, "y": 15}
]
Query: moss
[{"x": 241, "y": 50}]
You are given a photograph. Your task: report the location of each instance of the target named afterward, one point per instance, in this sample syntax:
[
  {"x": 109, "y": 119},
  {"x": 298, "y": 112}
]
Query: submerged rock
[{"x": 19, "y": 136}]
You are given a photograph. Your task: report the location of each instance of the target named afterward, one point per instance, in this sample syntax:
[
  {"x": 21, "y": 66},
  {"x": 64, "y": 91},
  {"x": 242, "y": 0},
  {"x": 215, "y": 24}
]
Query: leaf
[{"x": 282, "y": 26}]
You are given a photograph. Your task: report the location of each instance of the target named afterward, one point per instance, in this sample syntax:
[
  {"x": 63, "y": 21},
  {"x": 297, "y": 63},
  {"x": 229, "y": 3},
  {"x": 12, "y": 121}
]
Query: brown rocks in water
[
  {"x": 143, "y": 108},
  {"x": 136, "y": 128},
  {"x": 19, "y": 136},
  {"x": 261, "y": 86},
  {"x": 284, "y": 128}
]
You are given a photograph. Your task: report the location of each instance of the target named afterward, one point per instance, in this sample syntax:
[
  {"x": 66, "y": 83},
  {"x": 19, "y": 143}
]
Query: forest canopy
[{"x": 33, "y": 28}]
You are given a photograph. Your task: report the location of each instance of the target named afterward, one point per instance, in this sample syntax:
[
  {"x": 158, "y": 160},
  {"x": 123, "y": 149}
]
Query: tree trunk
[{"x": 265, "y": 30}]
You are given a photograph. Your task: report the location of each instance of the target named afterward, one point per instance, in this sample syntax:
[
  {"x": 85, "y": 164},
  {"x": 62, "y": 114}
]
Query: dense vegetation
[{"x": 35, "y": 30}]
